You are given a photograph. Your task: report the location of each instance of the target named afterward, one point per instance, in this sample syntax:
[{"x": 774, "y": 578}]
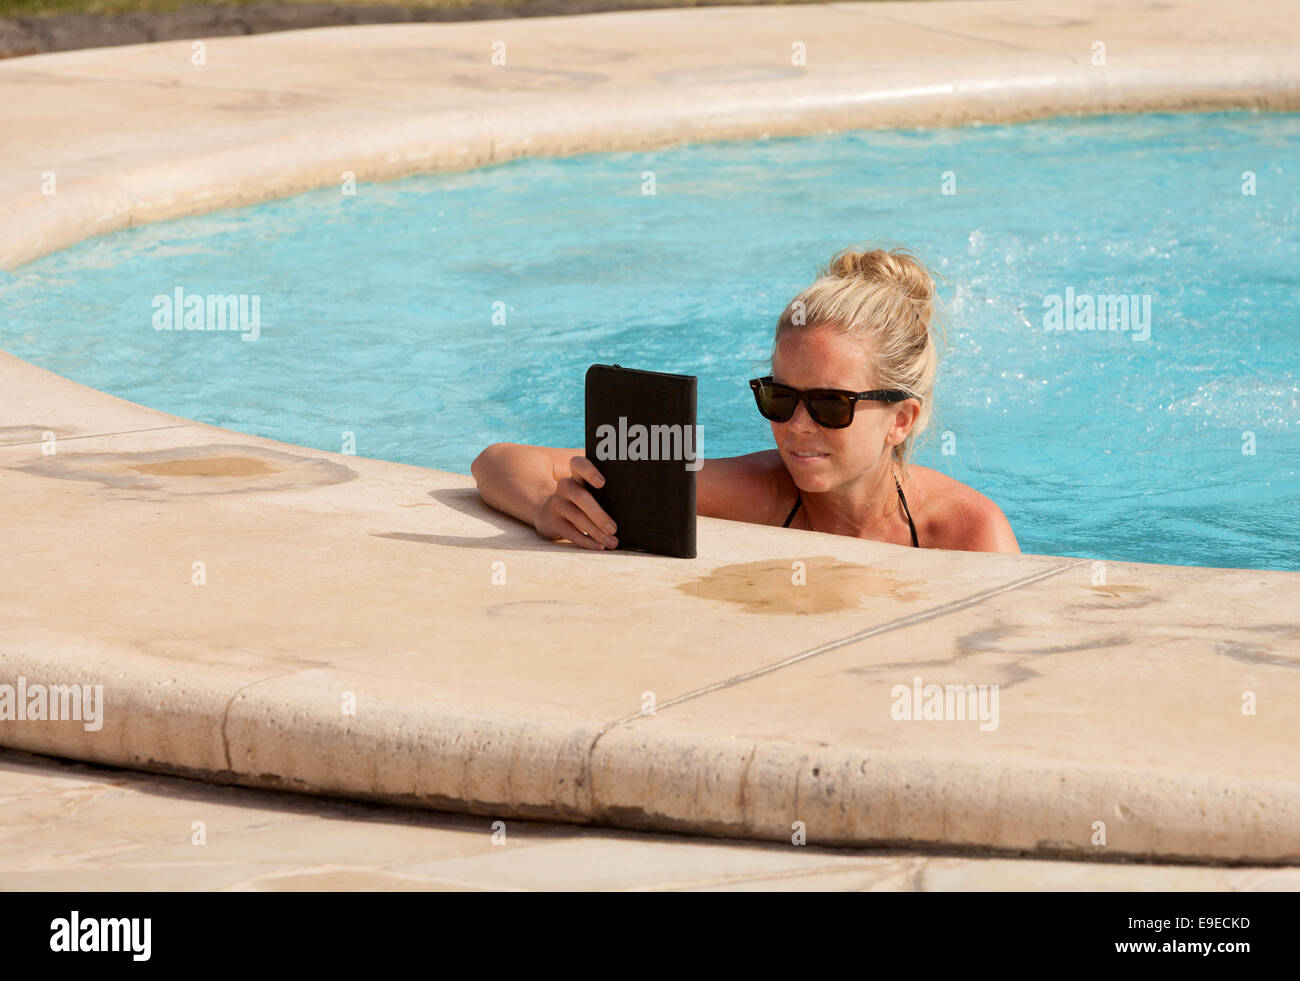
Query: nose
[{"x": 801, "y": 420}]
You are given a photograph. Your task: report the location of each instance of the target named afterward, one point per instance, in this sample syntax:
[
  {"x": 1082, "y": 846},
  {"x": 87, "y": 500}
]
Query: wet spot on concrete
[
  {"x": 1259, "y": 654},
  {"x": 769, "y": 586},
  {"x": 1016, "y": 640},
  {"x": 211, "y": 466},
  {"x": 214, "y": 468},
  {"x": 1290, "y": 629},
  {"x": 1118, "y": 591},
  {"x": 537, "y": 612},
  {"x": 1118, "y": 598}
]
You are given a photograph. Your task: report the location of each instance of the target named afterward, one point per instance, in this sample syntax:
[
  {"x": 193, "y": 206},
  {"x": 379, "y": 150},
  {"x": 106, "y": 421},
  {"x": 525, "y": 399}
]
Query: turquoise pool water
[{"x": 377, "y": 311}]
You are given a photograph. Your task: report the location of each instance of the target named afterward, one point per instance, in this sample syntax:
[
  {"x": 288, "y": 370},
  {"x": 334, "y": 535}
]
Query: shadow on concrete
[{"x": 515, "y": 535}]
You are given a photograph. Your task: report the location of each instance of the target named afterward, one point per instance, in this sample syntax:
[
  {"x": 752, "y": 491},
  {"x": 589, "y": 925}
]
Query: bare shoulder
[
  {"x": 752, "y": 488},
  {"x": 952, "y": 515}
]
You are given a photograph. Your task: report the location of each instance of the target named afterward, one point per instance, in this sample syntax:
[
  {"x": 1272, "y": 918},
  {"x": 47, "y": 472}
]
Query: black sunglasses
[{"x": 829, "y": 407}]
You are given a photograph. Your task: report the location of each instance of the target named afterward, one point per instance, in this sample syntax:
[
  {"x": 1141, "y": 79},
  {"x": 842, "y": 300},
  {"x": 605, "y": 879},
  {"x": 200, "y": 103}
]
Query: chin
[{"x": 813, "y": 483}]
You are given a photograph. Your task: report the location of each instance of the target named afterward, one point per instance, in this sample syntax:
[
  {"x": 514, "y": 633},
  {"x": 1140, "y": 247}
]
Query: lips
[{"x": 809, "y": 456}]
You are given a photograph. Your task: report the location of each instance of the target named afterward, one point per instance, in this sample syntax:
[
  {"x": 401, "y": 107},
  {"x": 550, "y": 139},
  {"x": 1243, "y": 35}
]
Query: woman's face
[{"x": 823, "y": 357}]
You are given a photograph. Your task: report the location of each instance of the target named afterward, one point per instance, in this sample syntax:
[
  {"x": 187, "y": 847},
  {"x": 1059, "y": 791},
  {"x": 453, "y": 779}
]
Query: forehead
[{"x": 824, "y": 357}]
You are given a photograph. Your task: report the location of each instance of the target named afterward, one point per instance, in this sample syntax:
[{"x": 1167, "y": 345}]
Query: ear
[{"x": 905, "y": 416}]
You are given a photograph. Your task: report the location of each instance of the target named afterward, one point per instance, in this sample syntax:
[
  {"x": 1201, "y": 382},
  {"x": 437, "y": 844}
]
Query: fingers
[
  {"x": 555, "y": 525},
  {"x": 571, "y": 490},
  {"x": 579, "y": 517},
  {"x": 585, "y": 532},
  {"x": 581, "y": 500},
  {"x": 584, "y": 469}
]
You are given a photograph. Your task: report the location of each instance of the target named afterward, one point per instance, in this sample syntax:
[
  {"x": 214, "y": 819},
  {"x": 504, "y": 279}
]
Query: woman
[{"x": 840, "y": 466}]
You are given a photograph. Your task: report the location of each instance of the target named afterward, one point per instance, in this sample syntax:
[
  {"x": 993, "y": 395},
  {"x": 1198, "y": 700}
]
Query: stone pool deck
[
  {"x": 77, "y": 828},
  {"x": 333, "y": 580},
  {"x": 140, "y": 133}
]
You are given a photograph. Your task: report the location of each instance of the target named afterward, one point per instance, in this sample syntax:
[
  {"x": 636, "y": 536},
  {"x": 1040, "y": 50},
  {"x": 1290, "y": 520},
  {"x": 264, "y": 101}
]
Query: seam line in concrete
[
  {"x": 124, "y": 432},
  {"x": 898, "y": 624},
  {"x": 910, "y": 620}
]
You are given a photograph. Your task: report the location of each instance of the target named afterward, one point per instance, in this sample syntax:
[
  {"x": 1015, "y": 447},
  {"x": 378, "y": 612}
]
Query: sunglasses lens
[
  {"x": 832, "y": 411},
  {"x": 775, "y": 403}
]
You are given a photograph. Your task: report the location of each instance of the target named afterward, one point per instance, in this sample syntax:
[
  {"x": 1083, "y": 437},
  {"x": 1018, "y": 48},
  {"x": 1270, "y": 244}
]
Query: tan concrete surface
[
  {"x": 68, "y": 826},
  {"x": 331, "y": 578},
  {"x": 327, "y": 575},
  {"x": 139, "y": 133}
]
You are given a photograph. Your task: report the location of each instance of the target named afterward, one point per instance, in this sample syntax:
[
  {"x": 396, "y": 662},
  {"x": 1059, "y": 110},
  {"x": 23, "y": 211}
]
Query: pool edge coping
[{"x": 156, "y": 192}]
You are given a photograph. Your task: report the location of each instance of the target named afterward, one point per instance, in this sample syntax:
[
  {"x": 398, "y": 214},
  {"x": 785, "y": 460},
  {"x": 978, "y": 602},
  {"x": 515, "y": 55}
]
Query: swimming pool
[{"x": 432, "y": 316}]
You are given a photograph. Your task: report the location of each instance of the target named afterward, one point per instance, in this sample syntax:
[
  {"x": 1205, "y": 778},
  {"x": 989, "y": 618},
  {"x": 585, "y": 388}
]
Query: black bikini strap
[
  {"x": 915, "y": 542},
  {"x": 798, "y": 499}
]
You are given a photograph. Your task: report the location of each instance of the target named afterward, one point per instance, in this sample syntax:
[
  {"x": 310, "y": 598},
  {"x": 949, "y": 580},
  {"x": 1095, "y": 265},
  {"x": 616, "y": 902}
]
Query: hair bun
[{"x": 896, "y": 267}]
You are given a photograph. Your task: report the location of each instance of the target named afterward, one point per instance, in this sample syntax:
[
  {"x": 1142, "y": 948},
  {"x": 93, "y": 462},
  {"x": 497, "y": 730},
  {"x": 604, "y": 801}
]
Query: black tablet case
[{"x": 651, "y": 501}]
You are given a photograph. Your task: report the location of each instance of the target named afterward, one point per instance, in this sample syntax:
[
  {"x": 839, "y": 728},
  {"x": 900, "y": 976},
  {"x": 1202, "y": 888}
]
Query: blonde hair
[{"x": 888, "y": 297}]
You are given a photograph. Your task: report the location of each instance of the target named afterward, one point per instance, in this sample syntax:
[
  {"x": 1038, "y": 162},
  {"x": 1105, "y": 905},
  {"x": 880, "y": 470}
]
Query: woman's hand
[{"x": 572, "y": 513}]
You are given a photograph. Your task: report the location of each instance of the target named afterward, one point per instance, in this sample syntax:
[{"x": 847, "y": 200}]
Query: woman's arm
[
  {"x": 744, "y": 488},
  {"x": 546, "y": 487}
]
